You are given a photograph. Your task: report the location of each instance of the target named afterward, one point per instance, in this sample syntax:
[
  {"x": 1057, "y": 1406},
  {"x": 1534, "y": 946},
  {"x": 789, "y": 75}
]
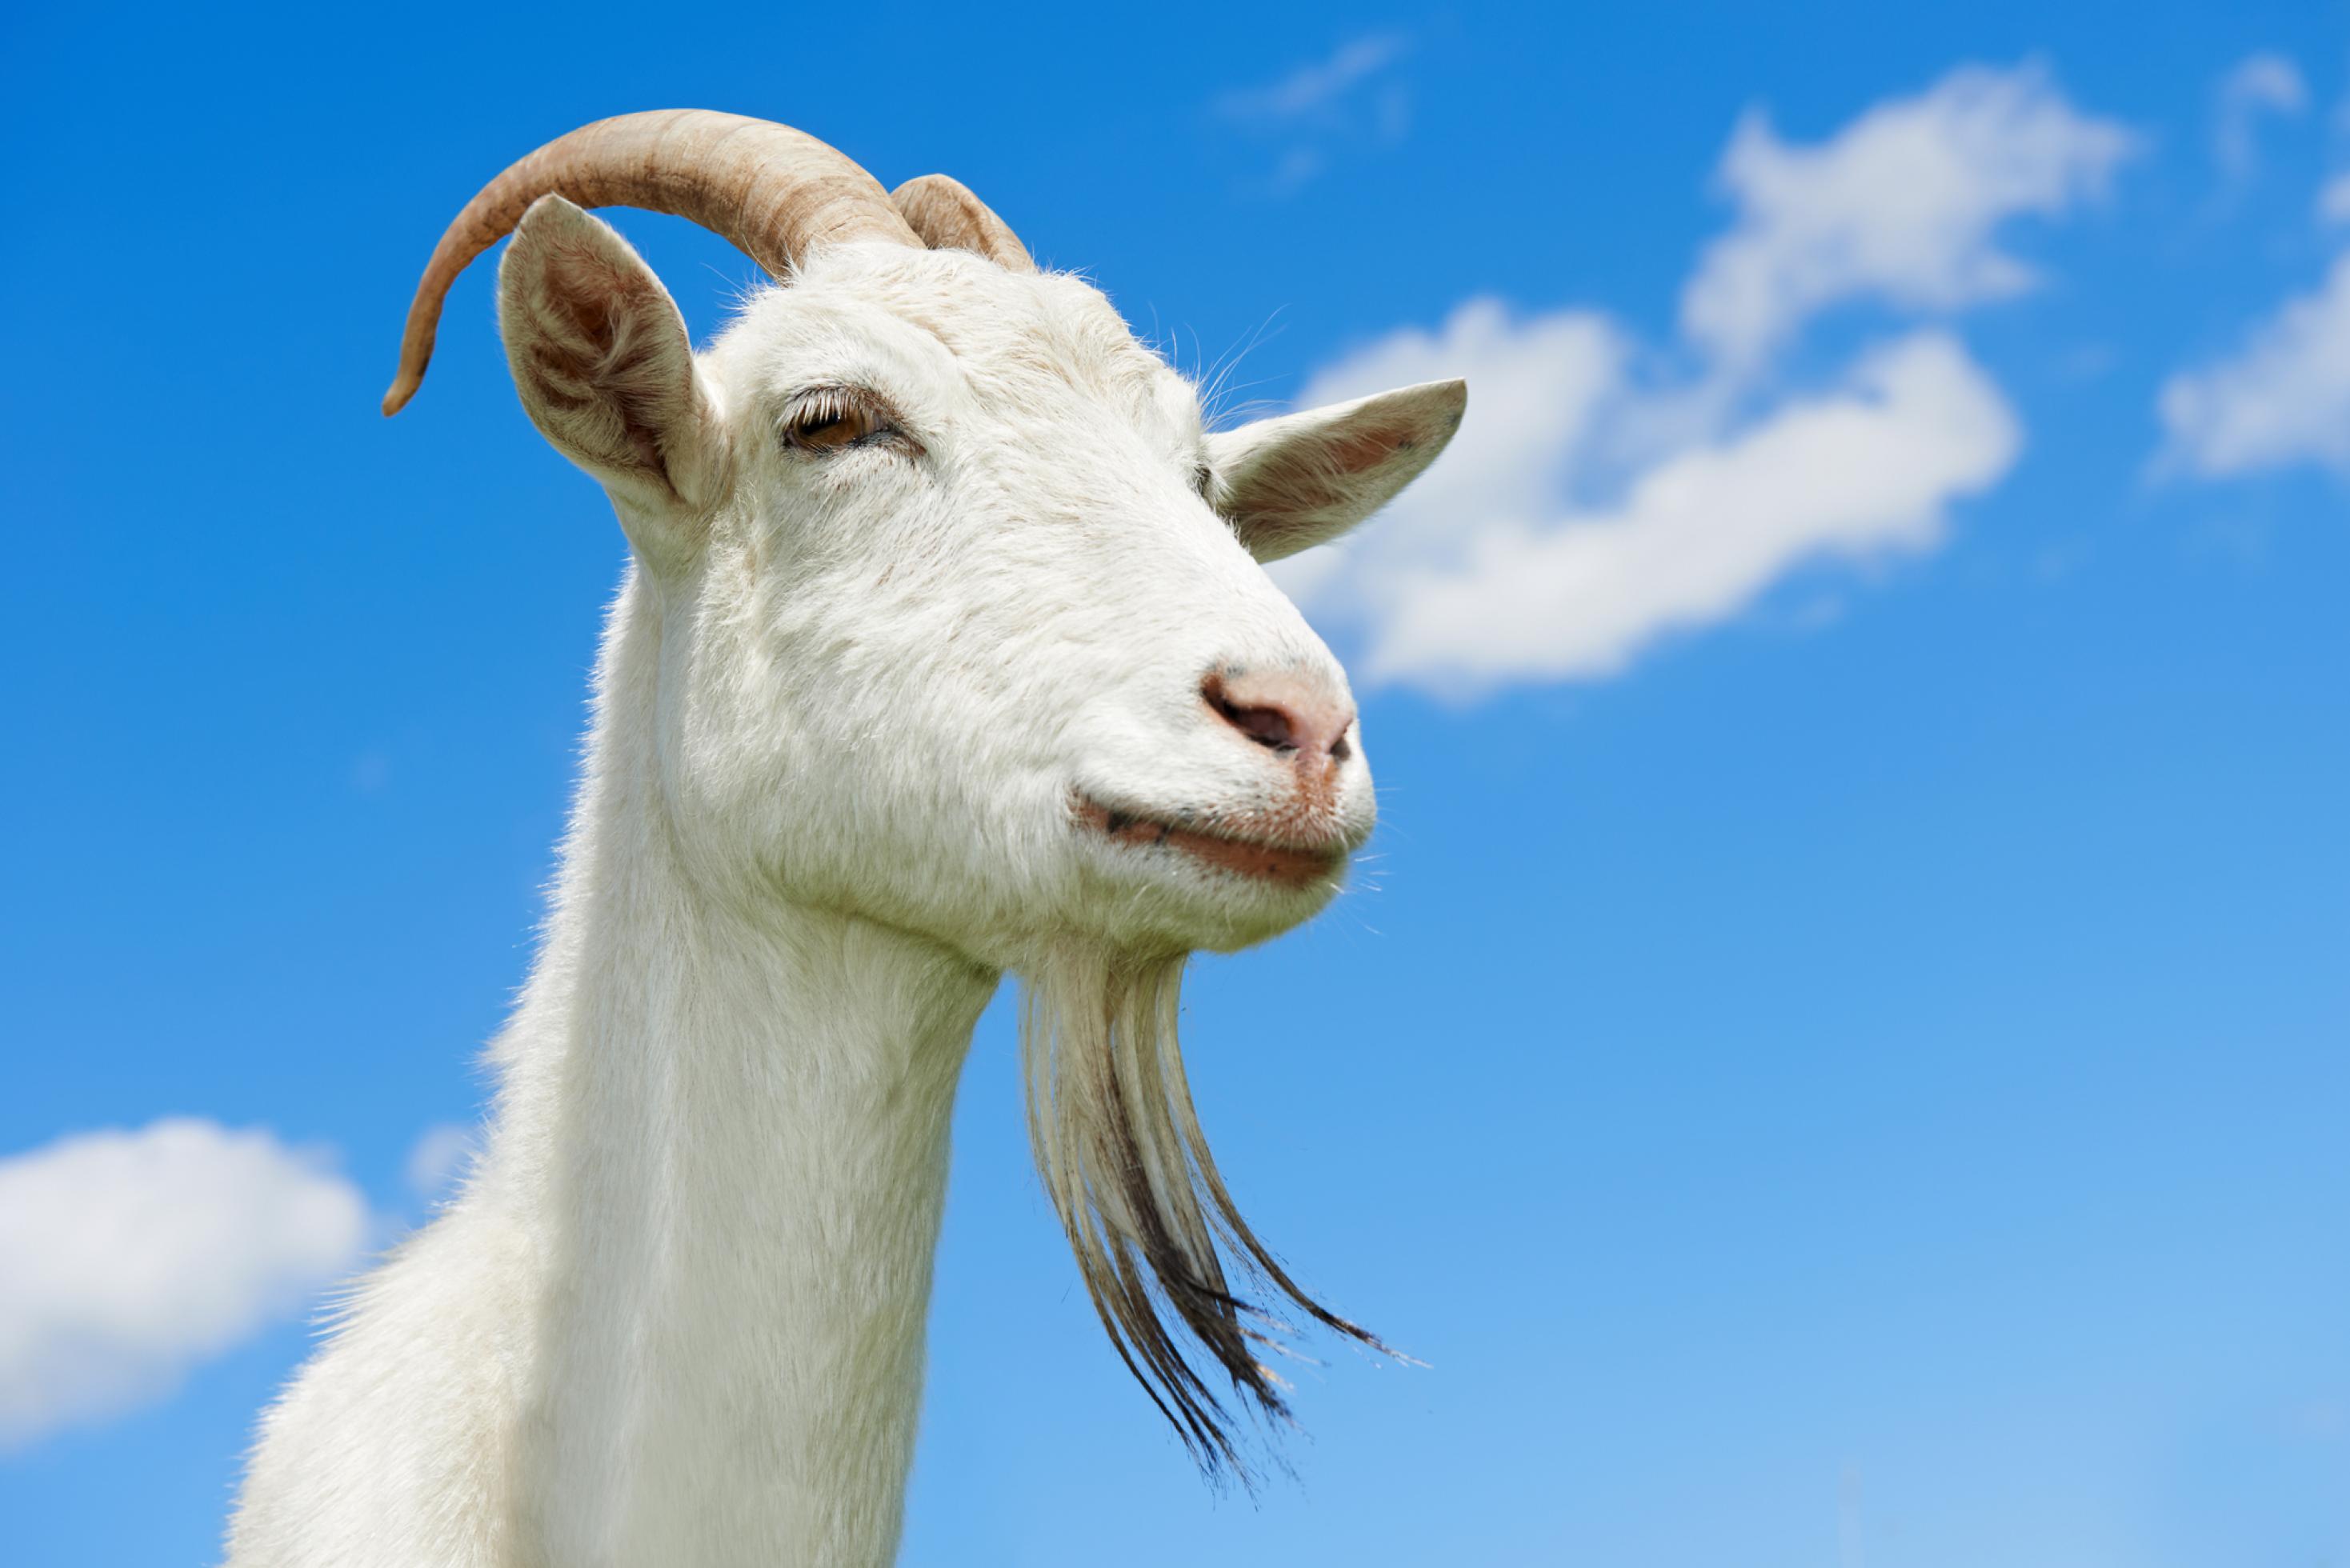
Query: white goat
[{"x": 941, "y": 653}]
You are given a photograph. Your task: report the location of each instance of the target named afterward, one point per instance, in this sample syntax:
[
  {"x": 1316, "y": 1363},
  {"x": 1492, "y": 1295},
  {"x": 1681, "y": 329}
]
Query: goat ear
[
  {"x": 1299, "y": 479},
  {"x": 605, "y": 369}
]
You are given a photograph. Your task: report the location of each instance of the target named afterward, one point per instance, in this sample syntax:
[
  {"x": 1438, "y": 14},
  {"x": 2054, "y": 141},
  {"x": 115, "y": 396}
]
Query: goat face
[{"x": 961, "y": 617}]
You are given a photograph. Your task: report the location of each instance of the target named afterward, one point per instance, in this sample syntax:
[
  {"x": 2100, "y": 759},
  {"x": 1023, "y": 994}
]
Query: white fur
[{"x": 843, "y": 704}]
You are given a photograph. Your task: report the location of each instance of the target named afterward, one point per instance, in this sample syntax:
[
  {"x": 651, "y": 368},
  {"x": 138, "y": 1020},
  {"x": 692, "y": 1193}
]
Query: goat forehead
[{"x": 1033, "y": 337}]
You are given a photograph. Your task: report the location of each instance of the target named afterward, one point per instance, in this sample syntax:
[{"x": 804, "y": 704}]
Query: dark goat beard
[{"x": 1157, "y": 1237}]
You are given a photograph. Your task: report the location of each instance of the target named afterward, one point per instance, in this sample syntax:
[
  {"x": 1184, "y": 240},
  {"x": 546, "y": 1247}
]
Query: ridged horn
[
  {"x": 948, "y": 217},
  {"x": 774, "y": 192}
]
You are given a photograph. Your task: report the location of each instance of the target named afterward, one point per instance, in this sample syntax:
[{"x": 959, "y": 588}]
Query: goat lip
[{"x": 1288, "y": 865}]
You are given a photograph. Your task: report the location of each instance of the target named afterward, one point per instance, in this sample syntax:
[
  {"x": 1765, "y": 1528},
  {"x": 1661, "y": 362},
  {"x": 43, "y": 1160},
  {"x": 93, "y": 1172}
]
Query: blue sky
[{"x": 1840, "y": 1056}]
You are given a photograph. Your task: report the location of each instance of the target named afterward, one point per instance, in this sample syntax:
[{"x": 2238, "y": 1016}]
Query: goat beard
[{"x": 1157, "y": 1237}]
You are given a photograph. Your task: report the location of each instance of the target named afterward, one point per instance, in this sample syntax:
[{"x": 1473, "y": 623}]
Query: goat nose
[{"x": 1290, "y": 713}]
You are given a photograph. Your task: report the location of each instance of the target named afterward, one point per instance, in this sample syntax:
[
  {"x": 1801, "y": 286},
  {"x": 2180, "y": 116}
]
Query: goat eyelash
[{"x": 823, "y": 420}]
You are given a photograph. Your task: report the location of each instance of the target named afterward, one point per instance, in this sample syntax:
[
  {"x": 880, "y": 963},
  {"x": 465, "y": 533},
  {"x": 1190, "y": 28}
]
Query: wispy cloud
[
  {"x": 1319, "y": 91},
  {"x": 2257, "y": 86},
  {"x": 437, "y": 1158},
  {"x": 1587, "y": 510},
  {"x": 1351, "y": 98},
  {"x": 2281, "y": 398},
  {"x": 2333, "y": 201},
  {"x": 128, "y": 1258}
]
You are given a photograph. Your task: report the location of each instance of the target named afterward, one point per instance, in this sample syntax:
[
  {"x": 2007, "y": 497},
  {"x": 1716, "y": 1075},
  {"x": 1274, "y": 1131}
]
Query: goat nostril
[
  {"x": 1266, "y": 726},
  {"x": 1293, "y": 714}
]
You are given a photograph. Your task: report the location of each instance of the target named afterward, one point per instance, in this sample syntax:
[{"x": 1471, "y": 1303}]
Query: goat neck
[{"x": 733, "y": 1119}]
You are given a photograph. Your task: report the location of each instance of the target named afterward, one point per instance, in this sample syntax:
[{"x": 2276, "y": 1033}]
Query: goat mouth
[{"x": 1287, "y": 865}]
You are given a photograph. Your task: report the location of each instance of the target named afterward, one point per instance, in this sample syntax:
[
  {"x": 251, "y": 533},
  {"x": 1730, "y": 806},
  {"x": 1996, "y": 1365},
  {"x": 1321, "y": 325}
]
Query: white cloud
[
  {"x": 2265, "y": 83},
  {"x": 436, "y": 1160},
  {"x": 1904, "y": 204},
  {"x": 127, "y": 1258},
  {"x": 1489, "y": 577},
  {"x": 1536, "y": 389},
  {"x": 2284, "y": 398},
  {"x": 1866, "y": 470},
  {"x": 1589, "y": 508}
]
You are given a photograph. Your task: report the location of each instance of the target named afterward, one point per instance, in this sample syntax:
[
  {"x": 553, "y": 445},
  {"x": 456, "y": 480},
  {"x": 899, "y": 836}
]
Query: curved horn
[
  {"x": 774, "y": 192},
  {"x": 948, "y": 217}
]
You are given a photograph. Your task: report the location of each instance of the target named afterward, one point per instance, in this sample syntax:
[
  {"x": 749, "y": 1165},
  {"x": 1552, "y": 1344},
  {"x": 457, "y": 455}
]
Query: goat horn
[
  {"x": 774, "y": 192},
  {"x": 948, "y": 217}
]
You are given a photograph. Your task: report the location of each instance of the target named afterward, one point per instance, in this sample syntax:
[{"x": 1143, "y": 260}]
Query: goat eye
[{"x": 830, "y": 421}]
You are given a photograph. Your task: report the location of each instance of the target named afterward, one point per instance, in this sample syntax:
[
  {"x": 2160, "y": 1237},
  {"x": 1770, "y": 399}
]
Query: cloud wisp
[
  {"x": 2256, "y": 86},
  {"x": 128, "y": 1258},
  {"x": 1587, "y": 511},
  {"x": 437, "y": 1160},
  {"x": 2333, "y": 201},
  {"x": 1314, "y": 91},
  {"x": 2281, "y": 398},
  {"x": 1351, "y": 97}
]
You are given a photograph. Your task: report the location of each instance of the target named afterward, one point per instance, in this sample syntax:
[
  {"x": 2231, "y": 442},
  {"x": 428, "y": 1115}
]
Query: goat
[{"x": 943, "y": 651}]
